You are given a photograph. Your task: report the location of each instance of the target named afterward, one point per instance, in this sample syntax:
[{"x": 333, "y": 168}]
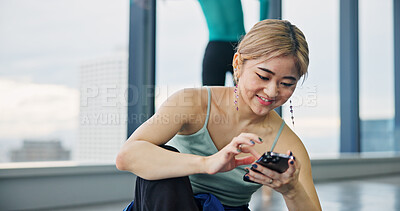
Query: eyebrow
[{"x": 269, "y": 71}]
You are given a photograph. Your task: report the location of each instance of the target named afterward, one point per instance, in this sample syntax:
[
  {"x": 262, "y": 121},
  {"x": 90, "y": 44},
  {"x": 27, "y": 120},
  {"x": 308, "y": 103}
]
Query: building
[
  {"x": 36, "y": 150},
  {"x": 377, "y": 135},
  {"x": 102, "y": 115}
]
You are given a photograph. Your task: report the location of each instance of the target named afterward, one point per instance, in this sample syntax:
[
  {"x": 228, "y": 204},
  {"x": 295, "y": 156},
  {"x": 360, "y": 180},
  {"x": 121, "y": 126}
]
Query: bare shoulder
[
  {"x": 222, "y": 97},
  {"x": 197, "y": 98},
  {"x": 177, "y": 113},
  {"x": 189, "y": 106},
  {"x": 288, "y": 139},
  {"x": 186, "y": 98}
]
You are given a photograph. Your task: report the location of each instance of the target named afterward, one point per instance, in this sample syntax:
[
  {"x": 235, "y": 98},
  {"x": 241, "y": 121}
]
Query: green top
[
  {"x": 228, "y": 187},
  {"x": 224, "y": 19}
]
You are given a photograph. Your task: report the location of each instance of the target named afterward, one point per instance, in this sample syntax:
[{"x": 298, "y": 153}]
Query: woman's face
[{"x": 265, "y": 85}]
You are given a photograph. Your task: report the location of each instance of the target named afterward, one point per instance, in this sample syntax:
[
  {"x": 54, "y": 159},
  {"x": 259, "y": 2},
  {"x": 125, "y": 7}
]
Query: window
[
  {"x": 182, "y": 37},
  {"x": 316, "y": 102},
  {"x": 63, "y": 67},
  {"x": 376, "y": 75}
]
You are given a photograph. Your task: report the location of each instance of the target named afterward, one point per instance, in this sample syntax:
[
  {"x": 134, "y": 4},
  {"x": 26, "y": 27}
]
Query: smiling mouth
[{"x": 264, "y": 99}]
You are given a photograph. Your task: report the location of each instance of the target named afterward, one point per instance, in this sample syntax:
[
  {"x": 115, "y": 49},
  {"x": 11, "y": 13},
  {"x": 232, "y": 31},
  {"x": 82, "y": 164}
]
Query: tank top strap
[
  {"x": 208, "y": 106},
  {"x": 277, "y": 135}
]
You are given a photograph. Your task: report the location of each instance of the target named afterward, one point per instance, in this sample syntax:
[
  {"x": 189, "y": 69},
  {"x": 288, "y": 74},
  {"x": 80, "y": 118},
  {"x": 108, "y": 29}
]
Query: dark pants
[
  {"x": 172, "y": 194},
  {"x": 217, "y": 61}
]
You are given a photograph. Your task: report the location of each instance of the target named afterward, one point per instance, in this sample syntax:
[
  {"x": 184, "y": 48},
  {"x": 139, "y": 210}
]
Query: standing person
[
  {"x": 225, "y": 26},
  {"x": 221, "y": 131}
]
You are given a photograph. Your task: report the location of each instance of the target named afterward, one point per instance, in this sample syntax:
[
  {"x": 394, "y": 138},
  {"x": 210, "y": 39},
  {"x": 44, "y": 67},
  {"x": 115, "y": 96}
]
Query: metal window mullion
[
  {"x": 396, "y": 54},
  {"x": 275, "y": 9},
  {"x": 349, "y": 77},
  {"x": 141, "y": 67}
]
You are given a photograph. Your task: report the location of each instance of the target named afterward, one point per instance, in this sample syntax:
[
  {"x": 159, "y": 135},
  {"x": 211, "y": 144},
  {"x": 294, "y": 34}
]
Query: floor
[
  {"x": 366, "y": 194},
  {"x": 382, "y": 193}
]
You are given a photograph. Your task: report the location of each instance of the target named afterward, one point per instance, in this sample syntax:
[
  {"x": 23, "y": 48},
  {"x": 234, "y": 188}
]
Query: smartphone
[{"x": 274, "y": 161}]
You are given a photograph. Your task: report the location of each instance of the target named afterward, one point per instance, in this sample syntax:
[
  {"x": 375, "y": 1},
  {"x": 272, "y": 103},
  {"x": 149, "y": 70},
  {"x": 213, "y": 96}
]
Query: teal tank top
[
  {"x": 224, "y": 19},
  {"x": 228, "y": 187}
]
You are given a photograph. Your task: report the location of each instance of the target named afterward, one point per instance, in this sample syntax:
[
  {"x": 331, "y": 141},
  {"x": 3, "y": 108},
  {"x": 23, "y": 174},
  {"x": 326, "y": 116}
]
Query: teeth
[{"x": 264, "y": 99}]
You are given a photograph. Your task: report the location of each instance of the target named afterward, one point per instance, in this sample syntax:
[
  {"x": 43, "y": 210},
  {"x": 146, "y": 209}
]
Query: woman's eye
[
  {"x": 262, "y": 77},
  {"x": 287, "y": 84}
]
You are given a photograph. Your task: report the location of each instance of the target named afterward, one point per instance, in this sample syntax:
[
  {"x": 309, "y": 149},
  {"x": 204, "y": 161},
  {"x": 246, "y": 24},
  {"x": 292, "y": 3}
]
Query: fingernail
[
  {"x": 291, "y": 153},
  {"x": 252, "y": 142},
  {"x": 254, "y": 166},
  {"x": 246, "y": 170},
  {"x": 260, "y": 139},
  {"x": 238, "y": 150},
  {"x": 247, "y": 177},
  {"x": 291, "y": 162}
]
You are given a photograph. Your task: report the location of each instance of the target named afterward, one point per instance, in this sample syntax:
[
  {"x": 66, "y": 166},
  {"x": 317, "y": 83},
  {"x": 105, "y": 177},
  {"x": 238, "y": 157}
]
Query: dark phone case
[{"x": 274, "y": 161}]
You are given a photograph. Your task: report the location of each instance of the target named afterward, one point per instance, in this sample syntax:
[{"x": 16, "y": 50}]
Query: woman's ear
[
  {"x": 235, "y": 61},
  {"x": 236, "y": 64}
]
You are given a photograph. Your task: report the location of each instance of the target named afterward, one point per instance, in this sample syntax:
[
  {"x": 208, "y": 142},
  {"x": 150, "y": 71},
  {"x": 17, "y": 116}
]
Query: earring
[
  {"x": 236, "y": 97},
  {"x": 236, "y": 90},
  {"x": 291, "y": 112}
]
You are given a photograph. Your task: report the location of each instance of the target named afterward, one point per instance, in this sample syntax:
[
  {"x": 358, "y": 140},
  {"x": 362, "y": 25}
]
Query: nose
[{"x": 271, "y": 90}]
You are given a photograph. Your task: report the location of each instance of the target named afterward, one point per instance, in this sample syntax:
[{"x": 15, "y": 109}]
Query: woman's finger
[
  {"x": 263, "y": 179},
  {"x": 252, "y": 136},
  {"x": 252, "y": 151},
  {"x": 294, "y": 166},
  {"x": 266, "y": 171},
  {"x": 239, "y": 144},
  {"x": 244, "y": 144},
  {"x": 242, "y": 140},
  {"x": 244, "y": 161}
]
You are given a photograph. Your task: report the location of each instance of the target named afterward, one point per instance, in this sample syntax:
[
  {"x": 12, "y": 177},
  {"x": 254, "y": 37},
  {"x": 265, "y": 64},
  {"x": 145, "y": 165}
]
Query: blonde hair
[{"x": 273, "y": 38}]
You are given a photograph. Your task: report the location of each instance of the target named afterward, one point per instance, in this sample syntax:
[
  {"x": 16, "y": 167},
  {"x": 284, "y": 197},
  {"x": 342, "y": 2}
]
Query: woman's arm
[
  {"x": 303, "y": 196},
  {"x": 296, "y": 184},
  {"x": 151, "y": 162},
  {"x": 141, "y": 153}
]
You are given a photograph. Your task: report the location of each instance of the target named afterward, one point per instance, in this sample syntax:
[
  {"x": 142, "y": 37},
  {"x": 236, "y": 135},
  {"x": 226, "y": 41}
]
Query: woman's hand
[
  {"x": 225, "y": 159},
  {"x": 284, "y": 183}
]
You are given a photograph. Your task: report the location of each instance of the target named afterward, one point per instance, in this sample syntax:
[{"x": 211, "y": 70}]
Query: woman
[
  {"x": 225, "y": 28},
  {"x": 220, "y": 131}
]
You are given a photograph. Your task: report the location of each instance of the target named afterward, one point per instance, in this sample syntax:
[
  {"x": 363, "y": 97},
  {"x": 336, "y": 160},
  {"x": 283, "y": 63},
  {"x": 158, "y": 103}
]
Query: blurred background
[{"x": 65, "y": 80}]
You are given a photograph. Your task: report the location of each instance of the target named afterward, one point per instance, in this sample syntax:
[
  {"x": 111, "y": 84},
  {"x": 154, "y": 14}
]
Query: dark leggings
[
  {"x": 217, "y": 61},
  {"x": 172, "y": 194}
]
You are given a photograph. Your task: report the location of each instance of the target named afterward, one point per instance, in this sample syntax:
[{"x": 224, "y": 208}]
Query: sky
[
  {"x": 49, "y": 38},
  {"x": 43, "y": 42},
  {"x": 42, "y": 45}
]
